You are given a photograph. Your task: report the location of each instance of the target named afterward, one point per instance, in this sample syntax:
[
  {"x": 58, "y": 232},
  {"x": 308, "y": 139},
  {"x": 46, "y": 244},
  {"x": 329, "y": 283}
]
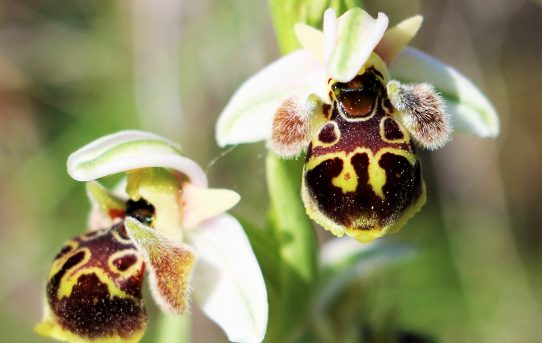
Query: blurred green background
[{"x": 71, "y": 71}]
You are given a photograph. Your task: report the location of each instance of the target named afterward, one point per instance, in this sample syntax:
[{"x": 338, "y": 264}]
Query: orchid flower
[
  {"x": 167, "y": 222},
  {"x": 336, "y": 98}
]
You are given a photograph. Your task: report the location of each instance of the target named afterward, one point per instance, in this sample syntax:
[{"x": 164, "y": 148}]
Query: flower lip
[{"x": 127, "y": 150}]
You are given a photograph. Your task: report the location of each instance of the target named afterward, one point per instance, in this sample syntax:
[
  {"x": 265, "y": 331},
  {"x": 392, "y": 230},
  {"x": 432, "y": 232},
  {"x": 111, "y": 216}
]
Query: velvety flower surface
[
  {"x": 165, "y": 221},
  {"x": 360, "y": 104}
]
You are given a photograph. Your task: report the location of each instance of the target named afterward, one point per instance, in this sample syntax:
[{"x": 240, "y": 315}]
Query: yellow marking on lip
[
  {"x": 50, "y": 327},
  {"x": 363, "y": 236},
  {"x": 59, "y": 263},
  {"x": 69, "y": 281},
  {"x": 347, "y": 180},
  {"x": 94, "y": 235},
  {"x": 70, "y": 278},
  {"x": 121, "y": 239}
]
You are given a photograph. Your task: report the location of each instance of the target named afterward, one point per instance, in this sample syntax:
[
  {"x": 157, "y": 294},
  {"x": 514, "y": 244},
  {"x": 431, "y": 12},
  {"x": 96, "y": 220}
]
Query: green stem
[
  {"x": 298, "y": 249},
  {"x": 172, "y": 328},
  {"x": 293, "y": 231},
  {"x": 287, "y": 13}
]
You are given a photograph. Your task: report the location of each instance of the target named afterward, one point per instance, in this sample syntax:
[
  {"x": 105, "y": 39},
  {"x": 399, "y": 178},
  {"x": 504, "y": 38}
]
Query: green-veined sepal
[
  {"x": 128, "y": 150},
  {"x": 248, "y": 116},
  {"x": 469, "y": 108},
  {"x": 350, "y": 42}
]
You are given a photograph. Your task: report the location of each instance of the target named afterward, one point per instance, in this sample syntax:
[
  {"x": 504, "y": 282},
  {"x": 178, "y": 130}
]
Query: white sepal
[
  {"x": 228, "y": 284},
  {"x": 249, "y": 115},
  {"x": 468, "y": 107},
  {"x": 127, "y": 150}
]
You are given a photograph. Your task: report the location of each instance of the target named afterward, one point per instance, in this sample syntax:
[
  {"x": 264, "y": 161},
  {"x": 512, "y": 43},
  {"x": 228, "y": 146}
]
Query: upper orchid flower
[
  {"x": 168, "y": 222},
  {"x": 336, "y": 99}
]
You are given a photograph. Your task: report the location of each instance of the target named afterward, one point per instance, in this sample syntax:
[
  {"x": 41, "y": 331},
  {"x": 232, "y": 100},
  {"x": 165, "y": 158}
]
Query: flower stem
[
  {"x": 286, "y": 13},
  {"x": 173, "y": 328},
  {"x": 298, "y": 249}
]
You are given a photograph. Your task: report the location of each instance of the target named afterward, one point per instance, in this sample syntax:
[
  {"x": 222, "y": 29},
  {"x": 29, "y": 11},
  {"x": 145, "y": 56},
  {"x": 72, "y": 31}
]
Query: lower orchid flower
[
  {"x": 167, "y": 222},
  {"x": 360, "y": 104}
]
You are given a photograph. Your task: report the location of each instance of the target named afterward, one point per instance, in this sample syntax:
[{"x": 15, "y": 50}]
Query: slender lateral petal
[
  {"x": 248, "y": 116},
  {"x": 357, "y": 36},
  {"x": 106, "y": 207},
  {"x": 228, "y": 283},
  {"x": 200, "y": 204},
  {"x": 127, "y": 150},
  {"x": 468, "y": 107},
  {"x": 312, "y": 40},
  {"x": 397, "y": 38},
  {"x": 170, "y": 266}
]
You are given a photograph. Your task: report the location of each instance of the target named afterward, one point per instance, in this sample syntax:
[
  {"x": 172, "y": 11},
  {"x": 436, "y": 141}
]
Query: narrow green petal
[
  {"x": 398, "y": 37},
  {"x": 109, "y": 205},
  {"x": 469, "y": 108},
  {"x": 357, "y": 36}
]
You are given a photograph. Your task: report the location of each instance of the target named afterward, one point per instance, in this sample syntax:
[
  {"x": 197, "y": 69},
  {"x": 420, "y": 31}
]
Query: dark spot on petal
[
  {"x": 327, "y": 134},
  {"x": 125, "y": 262},
  {"x": 392, "y": 130},
  {"x": 92, "y": 234}
]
